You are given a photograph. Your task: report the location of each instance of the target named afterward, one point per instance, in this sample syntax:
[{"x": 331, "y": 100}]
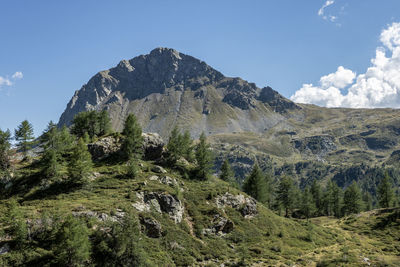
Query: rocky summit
[{"x": 167, "y": 88}]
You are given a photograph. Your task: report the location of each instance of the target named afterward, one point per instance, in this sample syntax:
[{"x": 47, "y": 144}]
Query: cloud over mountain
[{"x": 378, "y": 87}]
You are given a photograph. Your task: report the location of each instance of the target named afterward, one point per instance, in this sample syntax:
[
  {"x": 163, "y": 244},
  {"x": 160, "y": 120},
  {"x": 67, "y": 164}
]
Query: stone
[
  {"x": 5, "y": 249},
  {"x": 160, "y": 202},
  {"x": 104, "y": 147},
  {"x": 153, "y": 146},
  {"x": 158, "y": 169},
  {"x": 152, "y": 227},
  {"x": 220, "y": 226},
  {"x": 247, "y": 206}
]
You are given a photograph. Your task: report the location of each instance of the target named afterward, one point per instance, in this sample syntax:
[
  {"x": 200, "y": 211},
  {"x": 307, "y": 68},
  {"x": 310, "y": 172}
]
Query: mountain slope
[{"x": 167, "y": 88}]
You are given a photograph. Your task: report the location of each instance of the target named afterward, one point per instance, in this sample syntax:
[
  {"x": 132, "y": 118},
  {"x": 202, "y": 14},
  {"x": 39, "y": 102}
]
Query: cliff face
[{"x": 167, "y": 88}]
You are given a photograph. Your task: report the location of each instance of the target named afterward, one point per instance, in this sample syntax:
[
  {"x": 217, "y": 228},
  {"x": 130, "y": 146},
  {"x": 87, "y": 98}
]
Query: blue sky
[{"x": 58, "y": 45}]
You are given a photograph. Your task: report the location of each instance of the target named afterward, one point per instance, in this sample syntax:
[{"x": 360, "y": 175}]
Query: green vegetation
[
  {"x": 204, "y": 158},
  {"x": 24, "y": 136},
  {"x": 91, "y": 123}
]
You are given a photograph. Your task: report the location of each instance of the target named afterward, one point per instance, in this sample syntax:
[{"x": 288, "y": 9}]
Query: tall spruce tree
[
  {"x": 307, "y": 203},
  {"x": 385, "y": 192},
  {"x": 286, "y": 194},
  {"x": 104, "y": 123},
  {"x": 255, "y": 185},
  {"x": 204, "y": 158},
  {"x": 72, "y": 247},
  {"x": 352, "y": 202},
  {"x": 174, "y": 146},
  {"x": 316, "y": 191},
  {"x": 24, "y": 137},
  {"x": 227, "y": 173},
  {"x": 132, "y": 147},
  {"x": 80, "y": 164},
  {"x": 187, "y": 148},
  {"x": 5, "y": 145}
]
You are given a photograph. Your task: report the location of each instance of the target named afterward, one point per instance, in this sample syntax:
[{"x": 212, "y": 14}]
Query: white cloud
[
  {"x": 6, "y": 81},
  {"x": 379, "y": 86},
  {"x": 321, "y": 11},
  {"x": 17, "y": 75}
]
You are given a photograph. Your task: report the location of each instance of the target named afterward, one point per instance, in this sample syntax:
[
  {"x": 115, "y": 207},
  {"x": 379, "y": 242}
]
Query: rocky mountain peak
[{"x": 166, "y": 87}]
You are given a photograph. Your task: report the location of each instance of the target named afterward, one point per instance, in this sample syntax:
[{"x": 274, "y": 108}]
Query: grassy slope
[{"x": 265, "y": 239}]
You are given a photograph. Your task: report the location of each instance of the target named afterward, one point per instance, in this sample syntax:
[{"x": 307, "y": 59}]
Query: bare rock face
[
  {"x": 247, "y": 206},
  {"x": 220, "y": 226},
  {"x": 151, "y": 227},
  {"x": 104, "y": 147},
  {"x": 153, "y": 146},
  {"x": 160, "y": 202}
]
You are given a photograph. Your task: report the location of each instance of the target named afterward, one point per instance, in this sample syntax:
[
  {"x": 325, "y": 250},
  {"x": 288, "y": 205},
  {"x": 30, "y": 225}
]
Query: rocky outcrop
[
  {"x": 380, "y": 143},
  {"x": 276, "y": 101},
  {"x": 4, "y": 249},
  {"x": 164, "y": 180},
  {"x": 318, "y": 145},
  {"x": 153, "y": 146},
  {"x": 247, "y": 206},
  {"x": 151, "y": 227},
  {"x": 220, "y": 226},
  {"x": 104, "y": 147},
  {"x": 160, "y": 202}
]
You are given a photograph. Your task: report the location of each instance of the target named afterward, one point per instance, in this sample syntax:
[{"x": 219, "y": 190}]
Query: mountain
[
  {"x": 245, "y": 123},
  {"x": 167, "y": 88}
]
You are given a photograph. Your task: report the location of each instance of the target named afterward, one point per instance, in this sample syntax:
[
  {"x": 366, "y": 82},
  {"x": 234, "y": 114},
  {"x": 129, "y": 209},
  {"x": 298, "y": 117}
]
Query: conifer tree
[
  {"x": 132, "y": 146},
  {"x": 337, "y": 200},
  {"x": 307, "y": 203},
  {"x": 227, "y": 173},
  {"x": 5, "y": 146},
  {"x": 285, "y": 194},
  {"x": 255, "y": 185},
  {"x": 367, "y": 199},
  {"x": 204, "y": 158},
  {"x": 385, "y": 192},
  {"x": 174, "y": 146},
  {"x": 316, "y": 191},
  {"x": 24, "y": 136},
  {"x": 72, "y": 246},
  {"x": 19, "y": 228},
  {"x": 352, "y": 199},
  {"x": 104, "y": 123},
  {"x": 51, "y": 161},
  {"x": 80, "y": 164},
  {"x": 269, "y": 191},
  {"x": 187, "y": 148}
]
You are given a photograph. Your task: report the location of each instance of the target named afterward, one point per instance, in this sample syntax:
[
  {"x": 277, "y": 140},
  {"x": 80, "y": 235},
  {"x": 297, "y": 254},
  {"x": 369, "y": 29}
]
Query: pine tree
[
  {"x": 227, "y": 173},
  {"x": 269, "y": 191},
  {"x": 5, "y": 146},
  {"x": 255, "y": 185},
  {"x": 337, "y": 200},
  {"x": 80, "y": 164},
  {"x": 51, "y": 162},
  {"x": 104, "y": 123},
  {"x": 285, "y": 194},
  {"x": 307, "y": 203},
  {"x": 132, "y": 147},
  {"x": 19, "y": 228},
  {"x": 72, "y": 246},
  {"x": 187, "y": 148},
  {"x": 174, "y": 146},
  {"x": 367, "y": 199},
  {"x": 352, "y": 199},
  {"x": 385, "y": 192},
  {"x": 316, "y": 191},
  {"x": 24, "y": 137},
  {"x": 204, "y": 158}
]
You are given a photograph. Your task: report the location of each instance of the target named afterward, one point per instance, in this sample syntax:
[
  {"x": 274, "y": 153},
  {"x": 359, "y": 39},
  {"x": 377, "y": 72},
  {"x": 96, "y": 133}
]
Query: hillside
[{"x": 189, "y": 222}]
